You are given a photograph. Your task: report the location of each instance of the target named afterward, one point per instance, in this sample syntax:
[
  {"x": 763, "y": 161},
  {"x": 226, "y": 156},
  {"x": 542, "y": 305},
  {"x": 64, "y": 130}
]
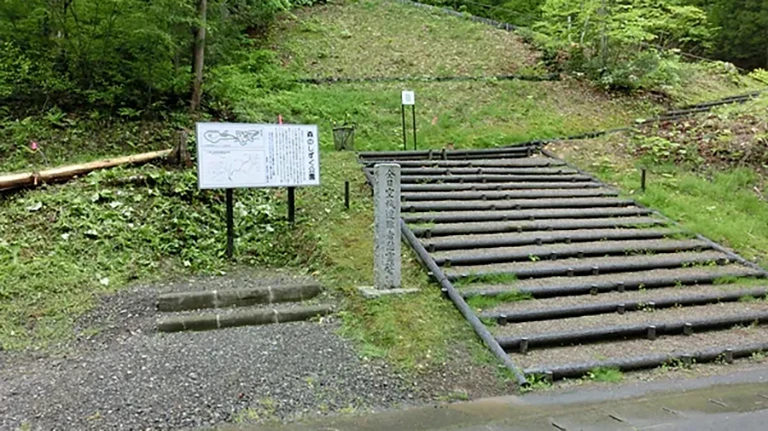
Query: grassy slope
[
  {"x": 691, "y": 174},
  {"x": 710, "y": 81},
  {"x": 52, "y": 265},
  {"x": 368, "y": 39},
  {"x": 374, "y": 38}
]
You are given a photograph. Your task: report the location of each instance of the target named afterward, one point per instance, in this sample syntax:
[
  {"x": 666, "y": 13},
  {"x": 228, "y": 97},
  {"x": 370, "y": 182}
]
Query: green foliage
[
  {"x": 115, "y": 53},
  {"x": 60, "y": 245},
  {"x": 65, "y": 138},
  {"x": 518, "y": 12},
  {"x": 614, "y": 43},
  {"x": 743, "y": 30},
  {"x": 760, "y": 75},
  {"x": 485, "y": 302},
  {"x": 720, "y": 205},
  {"x": 608, "y": 375}
]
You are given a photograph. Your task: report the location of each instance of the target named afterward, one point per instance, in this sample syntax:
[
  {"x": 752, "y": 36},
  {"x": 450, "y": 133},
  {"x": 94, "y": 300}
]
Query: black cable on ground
[
  {"x": 684, "y": 112},
  {"x": 385, "y": 79}
]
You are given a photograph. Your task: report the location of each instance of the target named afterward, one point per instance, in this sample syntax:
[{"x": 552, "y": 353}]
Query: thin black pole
[
  {"x": 405, "y": 144},
  {"x": 642, "y": 180},
  {"x": 346, "y": 194},
  {"x": 413, "y": 111},
  {"x": 230, "y": 225},
  {"x": 292, "y": 205}
]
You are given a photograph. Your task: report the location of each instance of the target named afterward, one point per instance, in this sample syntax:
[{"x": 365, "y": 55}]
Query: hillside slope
[
  {"x": 375, "y": 38},
  {"x": 361, "y": 39}
]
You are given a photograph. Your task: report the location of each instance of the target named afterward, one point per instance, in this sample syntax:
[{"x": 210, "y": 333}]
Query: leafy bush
[
  {"x": 620, "y": 44},
  {"x": 233, "y": 88},
  {"x": 116, "y": 53}
]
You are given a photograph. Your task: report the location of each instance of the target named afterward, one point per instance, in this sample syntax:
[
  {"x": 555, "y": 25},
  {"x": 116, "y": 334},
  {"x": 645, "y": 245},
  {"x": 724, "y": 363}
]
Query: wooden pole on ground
[{"x": 33, "y": 179}]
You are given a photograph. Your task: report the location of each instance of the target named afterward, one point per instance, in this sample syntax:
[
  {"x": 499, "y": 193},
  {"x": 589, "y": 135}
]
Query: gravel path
[
  {"x": 126, "y": 376},
  {"x": 196, "y": 379}
]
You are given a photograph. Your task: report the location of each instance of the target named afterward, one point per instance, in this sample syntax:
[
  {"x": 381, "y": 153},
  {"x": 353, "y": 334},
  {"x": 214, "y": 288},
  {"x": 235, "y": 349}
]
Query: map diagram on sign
[
  {"x": 242, "y": 137},
  {"x": 236, "y": 168}
]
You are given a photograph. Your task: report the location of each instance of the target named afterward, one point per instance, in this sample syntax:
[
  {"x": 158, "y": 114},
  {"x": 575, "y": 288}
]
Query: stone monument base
[{"x": 370, "y": 292}]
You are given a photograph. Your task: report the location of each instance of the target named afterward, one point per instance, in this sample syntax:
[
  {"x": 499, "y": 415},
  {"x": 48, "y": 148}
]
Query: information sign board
[{"x": 237, "y": 155}]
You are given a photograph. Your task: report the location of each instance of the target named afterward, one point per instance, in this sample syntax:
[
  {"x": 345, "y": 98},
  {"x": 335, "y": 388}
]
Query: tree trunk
[{"x": 198, "y": 57}]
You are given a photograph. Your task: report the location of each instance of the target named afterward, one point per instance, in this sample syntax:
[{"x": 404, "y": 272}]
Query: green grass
[
  {"x": 722, "y": 207},
  {"x": 707, "y": 81},
  {"x": 465, "y": 114},
  {"x": 378, "y": 38},
  {"x": 383, "y": 38},
  {"x": 608, "y": 375},
  {"x": 484, "y": 302},
  {"x": 494, "y": 279},
  {"x": 77, "y": 138},
  {"x": 412, "y": 331},
  {"x": 60, "y": 246},
  {"x": 740, "y": 281}
]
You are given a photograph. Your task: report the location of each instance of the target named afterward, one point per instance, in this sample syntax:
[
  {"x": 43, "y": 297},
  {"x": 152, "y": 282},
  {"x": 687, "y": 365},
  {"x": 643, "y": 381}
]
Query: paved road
[{"x": 736, "y": 402}]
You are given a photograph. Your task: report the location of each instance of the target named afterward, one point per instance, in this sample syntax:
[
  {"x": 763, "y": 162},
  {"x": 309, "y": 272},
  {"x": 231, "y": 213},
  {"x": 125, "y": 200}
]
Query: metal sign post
[
  {"x": 409, "y": 98},
  {"x": 230, "y": 224},
  {"x": 291, "y": 192},
  {"x": 235, "y": 155},
  {"x": 405, "y": 143}
]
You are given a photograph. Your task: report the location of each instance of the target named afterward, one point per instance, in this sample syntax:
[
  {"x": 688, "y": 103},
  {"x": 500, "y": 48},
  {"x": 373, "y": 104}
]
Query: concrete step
[
  {"x": 645, "y": 316},
  {"x": 226, "y": 318},
  {"x": 578, "y": 359},
  {"x": 434, "y": 163},
  {"x": 475, "y": 241},
  {"x": 671, "y": 296},
  {"x": 179, "y": 301},
  {"x": 490, "y": 178},
  {"x": 493, "y": 195},
  {"x": 449, "y": 187}
]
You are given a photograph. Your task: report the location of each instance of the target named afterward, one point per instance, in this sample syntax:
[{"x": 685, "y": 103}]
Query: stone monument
[{"x": 386, "y": 252}]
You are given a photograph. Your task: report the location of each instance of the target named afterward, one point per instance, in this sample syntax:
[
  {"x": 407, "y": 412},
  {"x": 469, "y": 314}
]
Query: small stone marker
[{"x": 386, "y": 248}]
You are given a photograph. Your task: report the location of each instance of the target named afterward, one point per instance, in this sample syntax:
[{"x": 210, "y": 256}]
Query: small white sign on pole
[
  {"x": 236, "y": 155},
  {"x": 409, "y": 98}
]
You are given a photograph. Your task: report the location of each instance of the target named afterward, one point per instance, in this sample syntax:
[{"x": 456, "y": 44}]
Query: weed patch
[
  {"x": 608, "y": 375},
  {"x": 484, "y": 302},
  {"x": 494, "y": 279}
]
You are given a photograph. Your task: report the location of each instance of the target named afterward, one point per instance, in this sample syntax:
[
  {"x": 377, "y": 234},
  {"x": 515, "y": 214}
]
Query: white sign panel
[
  {"x": 409, "y": 98},
  {"x": 235, "y": 155}
]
